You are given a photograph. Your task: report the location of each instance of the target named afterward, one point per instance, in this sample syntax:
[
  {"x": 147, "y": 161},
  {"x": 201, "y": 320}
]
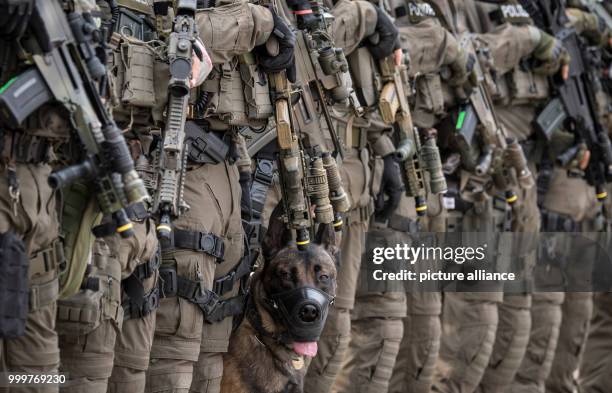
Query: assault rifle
[
  {"x": 65, "y": 68},
  {"x": 414, "y": 156},
  {"x": 169, "y": 203},
  {"x": 291, "y": 162},
  {"x": 576, "y": 94},
  {"x": 484, "y": 147},
  {"x": 325, "y": 66}
]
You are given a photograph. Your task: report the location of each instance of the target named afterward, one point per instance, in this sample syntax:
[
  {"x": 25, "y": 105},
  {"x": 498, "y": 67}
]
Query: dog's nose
[{"x": 309, "y": 313}]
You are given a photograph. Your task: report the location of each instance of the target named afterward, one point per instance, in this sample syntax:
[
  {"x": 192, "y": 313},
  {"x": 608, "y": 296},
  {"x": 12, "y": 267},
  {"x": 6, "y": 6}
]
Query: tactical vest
[{"x": 520, "y": 86}]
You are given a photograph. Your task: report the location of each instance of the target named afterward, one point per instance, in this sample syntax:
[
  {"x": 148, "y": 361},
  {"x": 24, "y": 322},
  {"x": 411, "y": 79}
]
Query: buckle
[
  {"x": 224, "y": 284},
  {"x": 212, "y": 245},
  {"x": 168, "y": 283},
  {"x": 264, "y": 171},
  {"x": 150, "y": 302}
]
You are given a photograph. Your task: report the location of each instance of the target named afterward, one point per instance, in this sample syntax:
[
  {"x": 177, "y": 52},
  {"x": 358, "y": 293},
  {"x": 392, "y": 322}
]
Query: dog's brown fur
[{"x": 257, "y": 363}]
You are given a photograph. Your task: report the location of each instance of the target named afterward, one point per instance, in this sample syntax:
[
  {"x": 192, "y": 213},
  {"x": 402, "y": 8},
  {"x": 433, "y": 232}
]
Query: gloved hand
[
  {"x": 306, "y": 20},
  {"x": 385, "y": 39},
  {"x": 14, "y": 17},
  {"x": 391, "y": 187},
  {"x": 551, "y": 54},
  {"x": 590, "y": 25},
  {"x": 282, "y": 58}
]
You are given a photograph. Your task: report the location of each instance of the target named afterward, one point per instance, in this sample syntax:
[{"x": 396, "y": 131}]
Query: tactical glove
[
  {"x": 590, "y": 25},
  {"x": 391, "y": 187},
  {"x": 14, "y": 17},
  {"x": 551, "y": 55},
  {"x": 385, "y": 39},
  {"x": 284, "y": 58},
  {"x": 303, "y": 11}
]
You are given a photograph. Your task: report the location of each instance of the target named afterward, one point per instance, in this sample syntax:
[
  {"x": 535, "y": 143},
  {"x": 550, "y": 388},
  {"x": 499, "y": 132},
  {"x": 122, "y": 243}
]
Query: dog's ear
[
  {"x": 277, "y": 236},
  {"x": 326, "y": 237}
]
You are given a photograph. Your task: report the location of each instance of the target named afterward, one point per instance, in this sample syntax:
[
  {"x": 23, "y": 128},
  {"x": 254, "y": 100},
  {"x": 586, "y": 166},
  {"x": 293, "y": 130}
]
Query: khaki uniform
[
  {"x": 419, "y": 347},
  {"x": 596, "y": 363},
  {"x": 187, "y": 349},
  {"x": 512, "y": 40},
  {"x": 109, "y": 349},
  {"x": 469, "y": 320},
  {"x": 36, "y": 222}
]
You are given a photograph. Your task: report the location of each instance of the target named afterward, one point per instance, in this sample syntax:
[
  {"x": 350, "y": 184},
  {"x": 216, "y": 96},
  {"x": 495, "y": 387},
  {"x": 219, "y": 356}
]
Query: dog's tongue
[{"x": 306, "y": 348}]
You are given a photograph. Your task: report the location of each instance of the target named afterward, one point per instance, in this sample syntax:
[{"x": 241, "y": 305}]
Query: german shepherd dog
[{"x": 284, "y": 314}]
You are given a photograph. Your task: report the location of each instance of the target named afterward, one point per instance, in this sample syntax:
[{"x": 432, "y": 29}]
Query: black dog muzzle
[{"x": 304, "y": 310}]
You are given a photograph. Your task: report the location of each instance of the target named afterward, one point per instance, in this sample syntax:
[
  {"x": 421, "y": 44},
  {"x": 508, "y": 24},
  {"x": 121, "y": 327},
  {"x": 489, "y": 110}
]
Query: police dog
[{"x": 284, "y": 315}]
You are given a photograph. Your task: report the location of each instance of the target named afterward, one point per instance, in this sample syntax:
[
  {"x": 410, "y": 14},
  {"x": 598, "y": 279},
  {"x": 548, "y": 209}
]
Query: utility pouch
[
  {"x": 256, "y": 90},
  {"x": 79, "y": 314},
  {"x": 429, "y": 99},
  {"x": 226, "y": 94},
  {"x": 138, "y": 88},
  {"x": 205, "y": 147},
  {"x": 14, "y": 293},
  {"x": 366, "y": 78},
  {"x": 525, "y": 87}
]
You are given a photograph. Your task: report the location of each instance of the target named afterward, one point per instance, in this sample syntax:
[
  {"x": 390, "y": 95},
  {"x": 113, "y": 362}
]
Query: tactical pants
[
  {"x": 416, "y": 360},
  {"x": 135, "y": 340},
  {"x": 186, "y": 353},
  {"x": 88, "y": 324},
  {"x": 545, "y": 322},
  {"x": 511, "y": 342},
  {"x": 595, "y": 375},
  {"x": 335, "y": 337},
  {"x": 35, "y": 221},
  {"x": 469, "y": 319},
  {"x": 469, "y": 324},
  {"x": 514, "y": 325},
  {"x": 577, "y": 309}
]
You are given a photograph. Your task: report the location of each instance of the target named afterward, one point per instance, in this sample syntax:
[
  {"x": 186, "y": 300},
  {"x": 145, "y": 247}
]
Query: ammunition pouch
[
  {"x": 134, "y": 70},
  {"x": 525, "y": 87},
  {"x": 429, "y": 100},
  {"x": 14, "y": 293},
  {"x": 137, "y": 303},
  {"x": 24, "y": 148},
  {"x": 207, "y": 243},
  {"x": 214, "y": 309},
  {"x": 366, "y": 78},
  {"x": 97, "y": 300},
  {"x": 205, "y": 147},
  {"x": 237, "y": 96}
]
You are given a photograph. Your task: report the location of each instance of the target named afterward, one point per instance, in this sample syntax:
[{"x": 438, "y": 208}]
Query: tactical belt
[
  {"x": 43, "y": 294},
  {"x": 24, "y": 148},
  {"x": 207, "y": 243},
  {"x": 47, "y": 260},
  {"x": 554, "y": 222},
  {"x": 214, "y": 309},
  {"x": 404, "y": 224},
  {"x": 360, "y": 214}
]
